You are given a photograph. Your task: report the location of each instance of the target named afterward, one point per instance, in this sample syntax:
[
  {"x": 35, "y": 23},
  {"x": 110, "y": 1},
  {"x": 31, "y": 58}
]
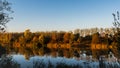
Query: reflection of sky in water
[
  {"x": 29, "y": 63},
  {"x": 22, "y": 61},
  {"x": 54, "y": 61}
]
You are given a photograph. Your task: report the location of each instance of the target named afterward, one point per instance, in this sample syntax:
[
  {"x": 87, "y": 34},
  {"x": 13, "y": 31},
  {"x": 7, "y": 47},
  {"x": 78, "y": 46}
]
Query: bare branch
[{"x": 4, "y": 15}]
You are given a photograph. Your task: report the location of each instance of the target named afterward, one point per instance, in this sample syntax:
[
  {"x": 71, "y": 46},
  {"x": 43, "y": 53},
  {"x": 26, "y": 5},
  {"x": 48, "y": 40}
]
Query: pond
[
  {"x": 54, "y": 58},
  {"x": 17, "y": 60}
]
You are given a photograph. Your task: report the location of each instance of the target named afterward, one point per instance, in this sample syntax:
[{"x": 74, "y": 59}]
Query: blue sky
[{"x": 65, "y": 15}]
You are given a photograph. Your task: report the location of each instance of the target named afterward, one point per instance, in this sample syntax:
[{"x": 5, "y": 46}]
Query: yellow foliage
[
  {"x": 99, "y": 46},
  {"x": 55, "y": 45}
]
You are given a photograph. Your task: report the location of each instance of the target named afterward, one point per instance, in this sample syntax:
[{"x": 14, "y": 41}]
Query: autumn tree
[
  {"x": 95, "y": 41},
  {"x": 44, "y": 40},
  {"x": 72, "y": 38},
  {"x": 66, "y": 37},
  {"x": 35, "y": 43},
  {"x": 60, "y": 36},
  {"x": 28, "y": 35},
  {"x": 76, "y": 36},
  {"x": 54, "y": 37},
  {"x": 22, "y": 40},
  {"x": 95, "y": 38}
]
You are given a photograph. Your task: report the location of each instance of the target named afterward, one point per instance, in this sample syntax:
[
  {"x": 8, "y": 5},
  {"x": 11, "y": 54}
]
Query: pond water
[
  {"x": 62, "y": 58},
  {"x": 47, "y": 61}
]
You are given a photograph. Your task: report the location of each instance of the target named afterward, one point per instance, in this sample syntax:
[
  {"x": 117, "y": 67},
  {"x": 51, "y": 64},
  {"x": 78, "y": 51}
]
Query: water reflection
[
  {"x": 63, "y": 62},
  {"x": 6, "y": 61},
  {"x": 2, "y": 51},
  {"x": 47, "y": 61},
  {"x": 55, "y": 58}
]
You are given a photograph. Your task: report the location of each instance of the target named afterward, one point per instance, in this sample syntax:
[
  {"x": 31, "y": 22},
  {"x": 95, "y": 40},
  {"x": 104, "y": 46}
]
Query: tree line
[{"x": 60, "y": 40}]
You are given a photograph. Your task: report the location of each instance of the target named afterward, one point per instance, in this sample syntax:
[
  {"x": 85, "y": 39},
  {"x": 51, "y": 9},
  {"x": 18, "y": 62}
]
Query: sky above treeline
[{"x": 61, "y": 15}]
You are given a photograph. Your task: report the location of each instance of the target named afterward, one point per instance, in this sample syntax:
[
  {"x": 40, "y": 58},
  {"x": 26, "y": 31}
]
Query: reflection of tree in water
[
  {"x": 8, "y": 62},
  {"x": 43, "y": 51},
  {"x": 60, "y": 53},
  {"x": 66, "y": 53},
  {"x": 53, "y": 53},
  {"x": 2, "y": 50},
  {"x": 27, "y": 56},
  {"x": 27, "y": 53}
]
